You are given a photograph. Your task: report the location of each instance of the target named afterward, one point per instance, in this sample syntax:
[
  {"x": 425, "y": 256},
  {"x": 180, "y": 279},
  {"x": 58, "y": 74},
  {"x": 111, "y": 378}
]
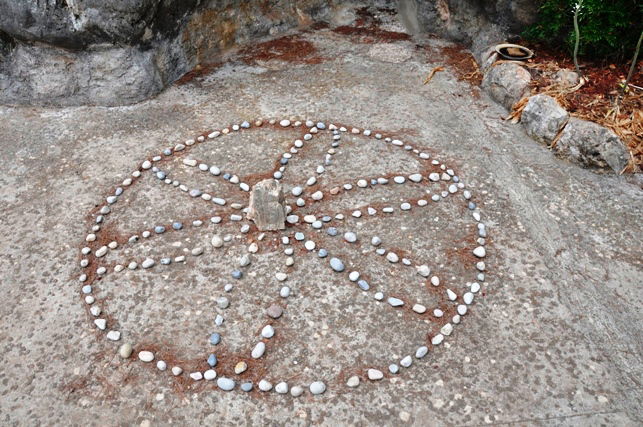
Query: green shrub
[{"x": 609, "y": 29}]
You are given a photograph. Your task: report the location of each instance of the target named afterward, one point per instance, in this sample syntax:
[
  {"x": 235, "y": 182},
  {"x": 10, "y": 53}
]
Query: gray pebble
[
  {"x": 275, "y": 311},
  {"x": 337, "y": 265},
  {"x": 225, "y": 383},
  {"x": 395, "y": 302}
]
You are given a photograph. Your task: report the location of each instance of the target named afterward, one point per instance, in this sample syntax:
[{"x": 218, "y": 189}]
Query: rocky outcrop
[
  {"x": 543, "y": 118},
  {"x": 100, "y": 76},
  {"x": 77, "y": 24},
  {"x": 592, "y": 145},
  {"x": 114, "y": 52},
  {"x": 507, "y": 83},
  {"x": 475, "y": 23}
]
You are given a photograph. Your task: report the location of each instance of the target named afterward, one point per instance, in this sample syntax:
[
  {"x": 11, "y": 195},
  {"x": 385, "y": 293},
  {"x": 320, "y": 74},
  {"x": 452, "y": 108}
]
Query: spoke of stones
[
  {"x": 379, "y": 206},
  {"x": 433, "y": 167},
  {"x": 154, "y": 236},
  {"x": 336, "y": 190},
  {"x": 439, "y": 290},
  {"x": 97, "y": 262},
  {"x": 435, "y": 323},
  {"x": 327, "y": 162},
  {"x": 278, "y": 166},
  {"x": 200, "y": 197},
  {"x": 364, "y": 214},
  {"x": 187, "y": 163}
]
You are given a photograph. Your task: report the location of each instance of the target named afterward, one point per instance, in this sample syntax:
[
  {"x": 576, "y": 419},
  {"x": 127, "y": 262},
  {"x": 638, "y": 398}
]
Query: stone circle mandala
[{"x": 379, "y": 260}]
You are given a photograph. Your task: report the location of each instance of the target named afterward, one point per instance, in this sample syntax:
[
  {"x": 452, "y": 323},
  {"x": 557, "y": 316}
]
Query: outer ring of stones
[{"x": 443, "y": 174}]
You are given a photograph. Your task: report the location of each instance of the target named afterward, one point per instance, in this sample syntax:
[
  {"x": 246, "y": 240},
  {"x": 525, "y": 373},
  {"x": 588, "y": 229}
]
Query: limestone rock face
[
  {"x": 267, "y": 206},
  {"x": 543, "y": 118},
  {"x": 507, "y": 83},
  {"x": 118, "y": 52},
  {"x": 80, "y": 23},
  {"x": 592, "y": 145}
]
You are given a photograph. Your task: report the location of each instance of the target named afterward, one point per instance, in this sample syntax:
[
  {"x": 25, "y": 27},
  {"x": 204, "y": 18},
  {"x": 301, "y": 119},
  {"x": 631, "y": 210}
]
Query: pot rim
[{"x": 499, "y": 47}]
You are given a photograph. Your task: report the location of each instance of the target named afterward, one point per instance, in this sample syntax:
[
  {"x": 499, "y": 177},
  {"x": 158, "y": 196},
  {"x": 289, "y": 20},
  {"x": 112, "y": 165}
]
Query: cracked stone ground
[{"x": 554, "y": 339}]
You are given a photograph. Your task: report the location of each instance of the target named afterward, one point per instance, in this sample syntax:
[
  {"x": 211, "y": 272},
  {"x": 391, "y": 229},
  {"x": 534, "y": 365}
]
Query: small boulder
[
  {"x": 566, "y": 78},
  {"x": 507, "y": 83},
  {"x": 543, "y": 118},
  {"x": 592, "y": 146}
]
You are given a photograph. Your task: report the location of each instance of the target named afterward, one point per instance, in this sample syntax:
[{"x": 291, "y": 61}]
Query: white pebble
[
  {"x": 258, "y": 350},
  {"x": 419, "y": 308},
  {"x": 146, "y": 356},
  {"x": 375, "y": 375},
  {"x": 268, "y": 331},
  {"x": 480, "y": 252}
]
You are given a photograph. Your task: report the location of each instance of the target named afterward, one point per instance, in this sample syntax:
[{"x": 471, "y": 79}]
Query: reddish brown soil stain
[
  {"x": 198, "y": 71},
  {"x": 462, "y": 253},
  {"x": 371, "y": 34},
  {"x": 463, "y": 65},
  {"x": 76, "y": 386},
  {"x": 318, "y": 26},
  {"x": 291, "y": 49}
]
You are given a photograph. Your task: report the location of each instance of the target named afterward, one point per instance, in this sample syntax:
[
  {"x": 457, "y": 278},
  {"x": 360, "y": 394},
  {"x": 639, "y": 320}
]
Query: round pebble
[
  {"x": 268, "y": 331},
  {"x": 353, "y": 381},
  {"x": 374, "y": 374},
  {"x": 275, "y": 311},
  {"x": 125, "y": 350},
  {"x": 146, "y": 356},
  {"x": 225, "y": 384},
  {"x": 392, "y": 257},
  {"x": 281, "y": 388},
  {"x": 337, "y": 265},
  {"x": 317, "y": 387},
  {"x": 258, "y": 350},
  {"x": 350, "y": 237},
  {"x": 265, "y": 385}
]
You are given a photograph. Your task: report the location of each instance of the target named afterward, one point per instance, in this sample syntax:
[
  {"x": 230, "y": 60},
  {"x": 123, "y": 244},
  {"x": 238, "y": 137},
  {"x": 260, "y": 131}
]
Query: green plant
[{"x": 609, "y": 28}]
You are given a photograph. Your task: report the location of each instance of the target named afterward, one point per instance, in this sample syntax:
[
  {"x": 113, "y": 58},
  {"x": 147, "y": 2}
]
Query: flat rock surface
[{"x": 552, "y": 338}]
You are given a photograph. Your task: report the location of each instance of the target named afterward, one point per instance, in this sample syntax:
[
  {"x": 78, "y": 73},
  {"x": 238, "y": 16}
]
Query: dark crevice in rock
[{"x": 6, "y": 44}]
